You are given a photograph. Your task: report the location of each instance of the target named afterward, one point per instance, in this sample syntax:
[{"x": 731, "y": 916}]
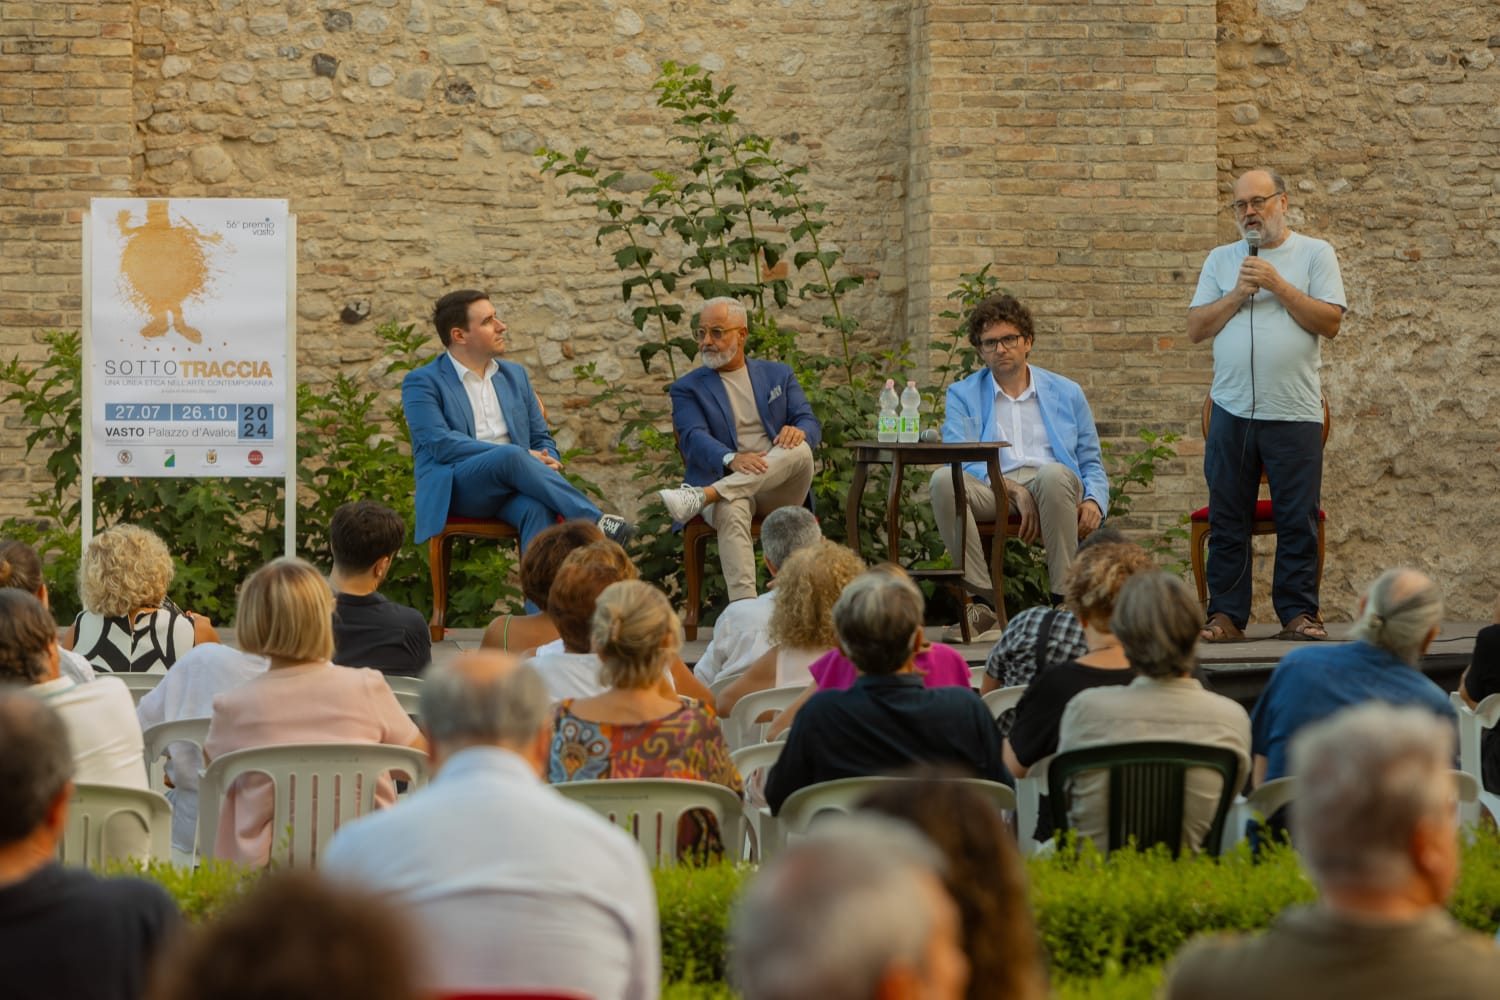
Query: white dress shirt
[
  {"x": 741, "y": 636},
  {"x": 102, "y": 729},
  {"x": 489, "y": 422},
  {"x": 1019, "y": 421},
  {"x": 509, "y": 885}
]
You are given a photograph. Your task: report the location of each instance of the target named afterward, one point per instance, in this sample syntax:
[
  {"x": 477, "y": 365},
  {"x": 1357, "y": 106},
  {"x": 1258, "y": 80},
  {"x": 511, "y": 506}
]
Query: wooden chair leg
[
  {"x": 696, "y": 551},
  {"x": 439, "y": 555},
  {"x": 1198, "y": 548}
]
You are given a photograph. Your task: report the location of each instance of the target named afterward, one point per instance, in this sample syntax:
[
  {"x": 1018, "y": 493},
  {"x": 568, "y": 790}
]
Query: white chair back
[
  {"x": 408, "y": 691},
  {"x": 756, "y": 757},
  {"x": 1262, "y": 803},
  {"x": 1472, "y": 723},
  {"x": 802, "y": 808},
  {"x": 114, "y": 823},
  {"x": 158, "y": 737},
  {"x": 1004, "y": 699},
  {"x": 721, "y": 682},
  {"x": 740, "y": 727},
  {"x": 318, "y": 788},
  {"x": 1029, "y": 792},
  {"x": 976, "y": 676},
  {"x": 650, "y": 809},
  {"x": 140, "y": 685}
]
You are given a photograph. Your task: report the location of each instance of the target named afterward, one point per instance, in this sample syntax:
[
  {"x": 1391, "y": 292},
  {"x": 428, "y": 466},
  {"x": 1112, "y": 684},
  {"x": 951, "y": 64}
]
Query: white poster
[{"x": 187, "y": 358}]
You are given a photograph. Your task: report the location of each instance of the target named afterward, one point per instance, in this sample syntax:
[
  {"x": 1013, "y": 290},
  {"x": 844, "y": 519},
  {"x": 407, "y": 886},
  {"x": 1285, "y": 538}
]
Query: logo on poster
[
  {"x": 256, "y": 458},
  {"x": 123, "y": 457},
  {"x": 171, "y": 460},
  {"x": 212, "y": 458}
]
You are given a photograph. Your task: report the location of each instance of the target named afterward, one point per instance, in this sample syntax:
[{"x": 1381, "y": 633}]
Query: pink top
[
  {"x": 939, "y": 665},
  {"x": 307, "y": 703}
]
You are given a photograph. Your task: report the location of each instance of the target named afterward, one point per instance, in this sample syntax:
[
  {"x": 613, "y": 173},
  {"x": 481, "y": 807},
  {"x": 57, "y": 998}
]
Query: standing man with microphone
[{"x": 1266, "y": 302}]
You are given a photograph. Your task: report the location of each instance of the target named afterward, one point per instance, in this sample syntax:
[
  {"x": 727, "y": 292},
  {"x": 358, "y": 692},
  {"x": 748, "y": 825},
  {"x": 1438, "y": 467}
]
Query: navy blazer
[
  {"x": 441, "y": 423},
  {"x": 705, "y": 424}
]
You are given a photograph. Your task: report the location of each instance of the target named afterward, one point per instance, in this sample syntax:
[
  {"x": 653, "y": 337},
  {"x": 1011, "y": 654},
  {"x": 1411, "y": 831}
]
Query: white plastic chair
[
  {"x": 140, "y": 685},
  {"x": 158, "y": 737},
  {"x": 318, "y": 788},
  {"x": 1263, "y": 802},
  {"x": 721, "y": 683},
  {"x": 802, "y": 808},
  {"x": 751, "y": 761},
  {"x": 1004, "y": 699},
  {"x": 408, "y": 691},
  {"x": 112, "y": 822},
  {"x": 976, "y": 676},
  {"x": 1472, "y": 722},
  {"x": 650, "y": 809},
  {"x": 740, "y": 727}
]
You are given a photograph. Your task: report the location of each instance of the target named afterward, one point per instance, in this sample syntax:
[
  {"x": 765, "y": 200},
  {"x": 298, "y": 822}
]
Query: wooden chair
[
  {"x": 440, "y": 558},
  {"x": 1262, "y": 523},
  {"x": 695, "y": 536}
]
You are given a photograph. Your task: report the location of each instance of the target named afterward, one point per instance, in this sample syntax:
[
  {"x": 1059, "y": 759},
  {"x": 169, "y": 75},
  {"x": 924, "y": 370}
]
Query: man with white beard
[{"x": 746, "y": 432}]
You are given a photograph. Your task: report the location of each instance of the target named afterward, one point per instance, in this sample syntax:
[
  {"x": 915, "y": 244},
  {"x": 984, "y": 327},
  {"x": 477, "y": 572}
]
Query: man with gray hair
[
  {"x": 746, "y": 432},
  {"x": 856, "y": 911},
  {"x": 1399, "y": 616},
  {"x": 64, "y": 932},
  {"x": 1376, "y": 819},
  {"x": 507, "y": 882},
  {"x": 741, "y": 633}
]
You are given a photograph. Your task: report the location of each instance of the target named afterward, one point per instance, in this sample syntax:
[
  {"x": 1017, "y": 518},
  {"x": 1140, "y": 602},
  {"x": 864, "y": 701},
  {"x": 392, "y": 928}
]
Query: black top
[
  {"x": 1039, "y": 713},
  {"x": 883, "y": 725},
  {"x": 65, "y": 932},
  {"x": 1482, "y": 680},
  {"x": 370, "y": 631}
]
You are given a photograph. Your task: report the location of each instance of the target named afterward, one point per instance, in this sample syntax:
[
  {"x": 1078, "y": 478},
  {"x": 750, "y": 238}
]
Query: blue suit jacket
[
  {"x": 705, "y": 424},
  {"x": 1065, "y": 414},
  {"x": 441, "y": 422}
]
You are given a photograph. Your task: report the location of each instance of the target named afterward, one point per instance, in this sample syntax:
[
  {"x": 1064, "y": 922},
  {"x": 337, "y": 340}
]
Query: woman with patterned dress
[{"x": 639, "y": 727}]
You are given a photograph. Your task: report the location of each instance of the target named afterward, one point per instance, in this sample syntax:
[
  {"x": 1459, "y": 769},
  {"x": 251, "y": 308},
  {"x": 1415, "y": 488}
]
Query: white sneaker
[
  {"x": 683, "y": 503},
  {"x": 983, "y": 625},
  {"x": 616, "y": 528}
]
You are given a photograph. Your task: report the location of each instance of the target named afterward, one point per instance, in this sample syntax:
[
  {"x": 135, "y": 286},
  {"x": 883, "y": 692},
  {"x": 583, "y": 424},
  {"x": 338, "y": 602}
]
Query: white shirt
[
  {"x": 102, "y": 729},
  {"x": 508, "y": 884},
  {"x": 74, "y": 666},
  {"x": 187, "y": 692},
  {"x": 569, "y": 675},
  {"x": 489, "y": 422},
  {"x": 740, "y": 638},
  {"x": 1019, "y": 421}
]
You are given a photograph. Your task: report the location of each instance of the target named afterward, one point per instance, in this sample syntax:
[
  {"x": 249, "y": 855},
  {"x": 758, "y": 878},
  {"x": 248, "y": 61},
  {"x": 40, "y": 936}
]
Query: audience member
[
  {"x": 21, "y": 568},
  {"x": 368, "y": 629},
  {"x": 1377, "y": 828},
  {"x": 128, "y": 624},
  {"x": 102, "y": 728},
  {"x": 801, "y": 624},
  {"x": 1040, "y": 637},
  {"x": 1093, "y": 581},
  {"x": 64, "y": 932},
  {"x": 286, "y": 615},
  {"x": 188, "y": 692},
  {"x": 984, "y": 876},
  {"x": 539, "y": 565},
  {"x": 582, "y": 577},
  {"x": 1157, "y": 620},
  {"x": 856, "y": 911},
  {"x": 295, "y": 937},
  {"x": 887, "y": 721},
  {"x": 742, "y": 633},
  {"x": 1399, "y": 616},
  {"x": 507, "y": 884},
  {"x": 1480, "y": 680}
]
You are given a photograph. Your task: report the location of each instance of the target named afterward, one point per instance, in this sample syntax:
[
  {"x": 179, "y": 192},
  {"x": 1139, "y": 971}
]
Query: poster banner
[{"x": 187, "y": 369}]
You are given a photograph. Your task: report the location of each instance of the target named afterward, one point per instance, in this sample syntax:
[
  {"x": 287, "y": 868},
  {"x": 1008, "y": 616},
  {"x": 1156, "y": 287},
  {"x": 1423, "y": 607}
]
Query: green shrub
[
  {"x": 1137, "y": 984},
  {"x": 695, "y": 903}
]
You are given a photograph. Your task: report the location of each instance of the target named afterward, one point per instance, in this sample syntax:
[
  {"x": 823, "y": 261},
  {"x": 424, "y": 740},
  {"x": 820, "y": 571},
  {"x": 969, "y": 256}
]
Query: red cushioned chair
[
  {"x": 440, "y": 558},
  {"x": 1264, "y": 522}
]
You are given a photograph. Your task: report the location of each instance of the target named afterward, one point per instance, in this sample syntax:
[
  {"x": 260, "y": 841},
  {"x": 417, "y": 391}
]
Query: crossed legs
[{"x": 743, "y": 495}]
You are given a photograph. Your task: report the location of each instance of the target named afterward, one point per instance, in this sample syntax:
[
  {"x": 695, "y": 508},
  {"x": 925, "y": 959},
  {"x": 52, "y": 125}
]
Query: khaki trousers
[
  {"x": 1057, "y": 493},
  {"x": 742, "y": 496}
]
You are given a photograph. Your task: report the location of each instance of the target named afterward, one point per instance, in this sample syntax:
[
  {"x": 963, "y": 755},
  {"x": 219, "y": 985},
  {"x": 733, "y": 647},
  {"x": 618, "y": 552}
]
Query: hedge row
[{"x": 1108, "y": 924}]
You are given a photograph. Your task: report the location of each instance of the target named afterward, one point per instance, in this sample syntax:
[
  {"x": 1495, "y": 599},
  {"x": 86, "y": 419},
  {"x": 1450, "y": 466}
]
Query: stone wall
[{"x": 1085, "y": 149}]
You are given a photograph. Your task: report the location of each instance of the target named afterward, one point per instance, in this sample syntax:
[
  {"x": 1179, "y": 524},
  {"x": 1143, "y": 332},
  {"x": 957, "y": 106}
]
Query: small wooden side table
[{"x": 898, "y": 455}]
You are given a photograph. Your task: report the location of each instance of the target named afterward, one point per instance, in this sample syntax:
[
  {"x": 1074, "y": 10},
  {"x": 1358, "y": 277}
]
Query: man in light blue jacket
[{"x": 1053, "y": 468}]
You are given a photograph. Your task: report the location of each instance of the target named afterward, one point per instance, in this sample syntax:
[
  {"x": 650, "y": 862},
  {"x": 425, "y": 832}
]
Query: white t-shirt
[
  {"x": 1284, "y": 384},
  {"x": 102, "y": 729},
  {"x": 569, "y": 675}
]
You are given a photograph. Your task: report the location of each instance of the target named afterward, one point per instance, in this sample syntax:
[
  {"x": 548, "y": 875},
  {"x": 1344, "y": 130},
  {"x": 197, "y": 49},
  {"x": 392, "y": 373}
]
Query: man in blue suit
[
  {"x": 746, "y": 432},
  {"x": 478, "y": 436},
  {"x": 1053, "y": 467}
]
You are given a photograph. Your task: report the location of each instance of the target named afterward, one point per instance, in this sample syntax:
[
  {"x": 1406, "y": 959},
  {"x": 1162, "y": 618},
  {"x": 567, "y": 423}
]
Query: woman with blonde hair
[
  {"x": 801, "y": 626},
  {"x": 286, "y": 615},
  {"x": 128, "y": 624},
  {"x": 633, "y": 729}
]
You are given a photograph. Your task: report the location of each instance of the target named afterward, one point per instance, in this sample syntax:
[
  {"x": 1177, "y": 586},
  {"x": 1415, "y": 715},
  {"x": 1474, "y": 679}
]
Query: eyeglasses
[
  {"x": 718, "y": 332},
  {"x": 1259, "y": 204},
  {"x": 1009, "y": 342}
]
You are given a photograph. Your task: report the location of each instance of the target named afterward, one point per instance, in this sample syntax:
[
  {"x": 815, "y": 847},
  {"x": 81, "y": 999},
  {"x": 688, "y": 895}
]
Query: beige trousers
[
  {"x": 743, "y": 495},
  {"x": 1057, "y": 492}
]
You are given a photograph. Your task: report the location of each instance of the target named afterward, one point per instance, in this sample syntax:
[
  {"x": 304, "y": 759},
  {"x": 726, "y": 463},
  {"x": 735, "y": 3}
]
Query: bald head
[
  {"x": 1401, "y": 612},
  {"x": 480, "y": 698}
]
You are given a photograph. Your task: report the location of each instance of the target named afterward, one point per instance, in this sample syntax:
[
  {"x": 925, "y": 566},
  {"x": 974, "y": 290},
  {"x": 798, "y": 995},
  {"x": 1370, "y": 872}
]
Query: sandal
[
  {"x": 1220, "y": 628},
  {"x": 1303, "y": 628}
]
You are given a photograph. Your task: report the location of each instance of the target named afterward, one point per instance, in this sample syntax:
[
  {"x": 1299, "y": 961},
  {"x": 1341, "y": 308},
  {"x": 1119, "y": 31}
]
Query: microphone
[{"x": 1252, "y": 237}]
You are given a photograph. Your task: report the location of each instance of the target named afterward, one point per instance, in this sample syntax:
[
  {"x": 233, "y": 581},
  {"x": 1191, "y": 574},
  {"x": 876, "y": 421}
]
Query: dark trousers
[{"x": 1291, "y": 453}]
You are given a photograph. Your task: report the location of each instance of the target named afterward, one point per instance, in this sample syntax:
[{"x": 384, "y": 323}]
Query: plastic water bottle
[
  {"x": 890, "y": 425},
  {"x": 911, "y": 402}
]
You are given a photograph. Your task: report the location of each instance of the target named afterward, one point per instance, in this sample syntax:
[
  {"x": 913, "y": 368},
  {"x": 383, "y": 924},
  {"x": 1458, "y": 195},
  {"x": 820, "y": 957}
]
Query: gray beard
[{"x": 714, "y": 359}]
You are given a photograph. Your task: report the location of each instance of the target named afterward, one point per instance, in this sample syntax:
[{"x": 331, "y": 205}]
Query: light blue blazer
[
  {"x": 1065, "y": 414},
  {"x": 441, "y": 423}
]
